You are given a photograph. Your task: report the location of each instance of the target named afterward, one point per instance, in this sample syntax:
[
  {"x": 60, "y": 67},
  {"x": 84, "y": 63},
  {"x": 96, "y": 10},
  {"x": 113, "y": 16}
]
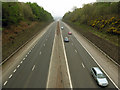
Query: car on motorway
[
  {"x": 66, "y": 39},
  {"x": 99, "y": 76},
  {"x": 62, "y": 28},
  {"x": 69, "y": 33}
]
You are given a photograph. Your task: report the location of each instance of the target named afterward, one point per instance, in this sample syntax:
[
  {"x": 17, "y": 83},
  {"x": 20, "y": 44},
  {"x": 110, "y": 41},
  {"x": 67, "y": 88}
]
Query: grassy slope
[
  {"x": 106, "y": 36},
  {"x": 19, "y": 35},
  {"x": 109, "y": 37},
  {"x": 20, "y": 22},
  {"x": 101, "y": 19}
]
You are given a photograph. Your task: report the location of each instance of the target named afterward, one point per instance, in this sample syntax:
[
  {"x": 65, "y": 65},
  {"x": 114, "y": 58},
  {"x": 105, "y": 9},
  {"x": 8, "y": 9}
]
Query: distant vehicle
[
  {"x": 62, "y": 28},
  {"x": 99, "y": 76},
  {"x": 69, "y": 33},
  {"x": 66, "y": 39}
]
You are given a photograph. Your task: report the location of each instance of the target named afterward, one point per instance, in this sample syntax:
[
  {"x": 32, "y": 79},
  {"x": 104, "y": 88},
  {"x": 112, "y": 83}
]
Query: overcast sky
[{"x": 59, "y": 7}]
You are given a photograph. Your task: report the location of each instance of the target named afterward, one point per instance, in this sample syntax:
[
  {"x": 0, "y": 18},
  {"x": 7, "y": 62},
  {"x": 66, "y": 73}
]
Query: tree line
[
  {"x": 14, "y": 12},
  {"x": 104, "y": 16}
]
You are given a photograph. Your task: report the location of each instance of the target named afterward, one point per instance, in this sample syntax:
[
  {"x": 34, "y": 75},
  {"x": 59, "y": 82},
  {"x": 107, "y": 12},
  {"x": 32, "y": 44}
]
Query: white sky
[{"x": 59, "y": 7}]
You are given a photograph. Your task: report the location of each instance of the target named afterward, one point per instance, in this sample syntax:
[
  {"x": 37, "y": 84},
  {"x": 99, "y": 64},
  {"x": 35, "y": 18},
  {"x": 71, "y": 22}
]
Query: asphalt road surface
[
  {"x": 33, "y": 70},
  {"x": 80, "y": 63}
]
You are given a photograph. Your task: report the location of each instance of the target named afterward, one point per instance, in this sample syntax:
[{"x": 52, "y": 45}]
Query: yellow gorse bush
[{"x": 112, "y": 23}]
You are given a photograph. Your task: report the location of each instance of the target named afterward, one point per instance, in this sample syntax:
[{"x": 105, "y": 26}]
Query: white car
[{"x": 99, "y": 76}]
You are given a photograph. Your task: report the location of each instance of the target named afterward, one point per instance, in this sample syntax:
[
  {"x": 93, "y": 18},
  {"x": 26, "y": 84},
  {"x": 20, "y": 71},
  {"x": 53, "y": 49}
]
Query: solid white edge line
[
  {"x": 98, "y": 48},
  {"x": 50, "y": 62},
  {"x": 103, "y": 52},
  {"x": 26, "y": 43},
  {"x": 98, "y": 64},
  {"x": 33, "y": 68},
  {"x": 10, "y": 76},
  {"x": 5, "y": 83},
  {"x": 66, "y": 62},
  {"x": 83, "y": 65}
]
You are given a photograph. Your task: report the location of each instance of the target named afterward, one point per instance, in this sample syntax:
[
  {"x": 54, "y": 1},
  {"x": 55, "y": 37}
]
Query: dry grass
[{"x": 15, "y": 36}]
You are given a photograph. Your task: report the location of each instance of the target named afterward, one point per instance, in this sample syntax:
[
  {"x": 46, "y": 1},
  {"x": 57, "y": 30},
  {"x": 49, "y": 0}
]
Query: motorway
[
  {"x": 32, "y": 72},
  {"x": 80, "y": 63}
]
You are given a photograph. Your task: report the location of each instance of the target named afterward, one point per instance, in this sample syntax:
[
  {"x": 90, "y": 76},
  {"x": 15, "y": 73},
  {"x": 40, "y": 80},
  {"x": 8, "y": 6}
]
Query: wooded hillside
[
  {"x": 100, "y": 24},
  {"x": 14, "y": 12},
  {"x": 20, "y": 22},
  {"x": 104, "y": 16}
]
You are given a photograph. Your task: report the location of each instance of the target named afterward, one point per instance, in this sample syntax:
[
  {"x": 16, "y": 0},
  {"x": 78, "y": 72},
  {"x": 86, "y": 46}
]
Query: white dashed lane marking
[
  {"x": 76, "y": 51},
  {"x": 21, "y": 62},
  {"x": 44, "y": 44},
  {"x": 83, "y": 65},
  {"x": 23, "y": 58},
  {"x": 33, "y": 68},
  {"x": 40, "y": 53},
  {"x": 10, "y": 76},
  {"x": 14, "y": 70},
  {"x": 5, "y": 83},
  {"x": 18, "y": 66}
]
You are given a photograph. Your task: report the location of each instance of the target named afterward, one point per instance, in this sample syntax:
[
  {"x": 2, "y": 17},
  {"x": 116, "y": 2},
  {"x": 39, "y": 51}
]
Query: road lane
[
  {"x": 32, "y": 71},
  {"x": 23, "y": 76},
  {"x": 81, "y": 77}
]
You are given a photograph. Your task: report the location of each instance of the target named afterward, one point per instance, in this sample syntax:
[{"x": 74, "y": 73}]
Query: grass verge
[
  {"x": 15, "y": 38},
  {"x": 106, "y": 36},
  {"x": 111, "y": 38}
]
